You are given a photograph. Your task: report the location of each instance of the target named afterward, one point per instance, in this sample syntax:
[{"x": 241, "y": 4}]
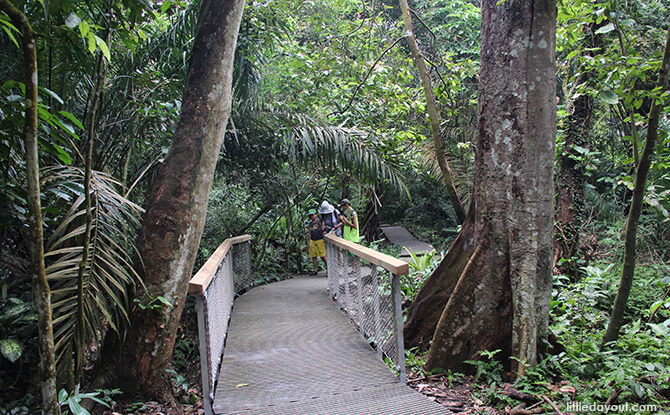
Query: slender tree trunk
[
  {"x": 570, "y": 184},
  {"x": 499, "y": 269},
  {"x": 176, "y": 209},
  {"x": 41, "y": 290},
  {"x": 628, "y": 272},
  {"x": 571, "y": 181},
  {"x": 433, "y": 115},
  {"x": 80, "y": 333}
]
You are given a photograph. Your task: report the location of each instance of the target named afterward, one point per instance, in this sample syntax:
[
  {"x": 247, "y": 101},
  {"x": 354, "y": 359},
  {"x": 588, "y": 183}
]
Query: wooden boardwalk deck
[{"x": 290, "y": 350}]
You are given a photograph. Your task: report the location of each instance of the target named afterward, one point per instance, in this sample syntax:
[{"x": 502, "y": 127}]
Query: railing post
[
  {"x": 397, "y": 326},
  {"x": 378, "y": 320},
  {"x": 341, "y": 261},
  {"x": 347, "y": 290},
  {"x": 246, "y": 261},
  {"x": 207, "y": 395},
  {"x": 359, "y": 292},
  {"x": 331, "y": 269}
]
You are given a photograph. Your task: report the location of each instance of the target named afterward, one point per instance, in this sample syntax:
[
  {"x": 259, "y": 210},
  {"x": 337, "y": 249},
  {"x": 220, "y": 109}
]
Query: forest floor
[{"x": 465, "y": 395}]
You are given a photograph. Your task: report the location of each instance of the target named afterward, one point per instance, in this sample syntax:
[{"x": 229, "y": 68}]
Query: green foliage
[
  {"x": 109, "y": 275},
  {"x": 18, "y": 327},
  {"x": 420, "y": 268},
  {"x": 73, "y": 401},
  {"x": 10, "y": 29},
  {"x": 635, "y": 366},
  {"x": 56, "y": 130},
  {"x": 11, "y": 349},
  {"x": 158, "y": 303},
  {"x": 414, "y": 360},
  {"x": 488, "y": 369},
  {"x": 663, "y": 303},
  {"x": 17, "y": 319}
]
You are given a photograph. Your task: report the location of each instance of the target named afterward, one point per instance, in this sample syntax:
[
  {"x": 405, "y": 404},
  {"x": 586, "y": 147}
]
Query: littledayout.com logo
[{"x": 574, "y": 406}]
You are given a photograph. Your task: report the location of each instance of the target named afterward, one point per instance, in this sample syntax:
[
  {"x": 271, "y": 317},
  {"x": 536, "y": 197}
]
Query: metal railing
[
  {"x": 226, "y": 273},
  {"x": 371, "y": 297}
]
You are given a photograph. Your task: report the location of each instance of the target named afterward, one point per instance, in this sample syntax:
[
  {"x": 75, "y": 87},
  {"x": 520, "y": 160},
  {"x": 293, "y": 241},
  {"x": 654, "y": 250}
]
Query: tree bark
[
  {"x": 433, "y": 115},
  {"x": 427, "y": 307},
  {"x": 40, "y": 285},
  {"x": 176, "y": 209},
  {"x": 502, "y": 294},
  {"x": 628, "y": 272}
]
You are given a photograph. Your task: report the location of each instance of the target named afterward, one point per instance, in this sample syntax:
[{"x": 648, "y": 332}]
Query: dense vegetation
[{"x": 328, "y": 104}]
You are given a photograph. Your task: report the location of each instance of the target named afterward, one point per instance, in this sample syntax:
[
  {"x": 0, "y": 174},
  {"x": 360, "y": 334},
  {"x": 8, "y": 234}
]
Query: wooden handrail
[
  {"x": 389, "y": 263},
  {"x": 200, "y": 281}
]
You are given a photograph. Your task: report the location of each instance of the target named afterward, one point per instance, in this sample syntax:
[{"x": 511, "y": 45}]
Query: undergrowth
[{"x": 633, "y": 373}]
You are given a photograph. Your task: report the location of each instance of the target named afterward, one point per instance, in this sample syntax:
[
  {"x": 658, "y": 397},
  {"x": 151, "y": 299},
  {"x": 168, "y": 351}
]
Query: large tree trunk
[
  {"x": 628, "y": 271},
  {"x": 501, "y": 297},
  {"x": 40, "y": 285},
  {"x": 175, "y": 211}
]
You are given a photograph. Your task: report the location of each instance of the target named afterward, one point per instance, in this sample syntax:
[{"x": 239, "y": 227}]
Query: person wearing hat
[
  {"x": 350, "y": 221},
  {"x": 330, "y": 218},
  {"x": 317, "y": 248}
]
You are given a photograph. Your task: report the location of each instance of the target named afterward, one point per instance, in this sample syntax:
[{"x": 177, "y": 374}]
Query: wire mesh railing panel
[
  {"x": 242, "y": 266},
  {"x": 218, "y": 301},
  {"x": 215, "y": 285},
  {"x": 364, "y": 291}
]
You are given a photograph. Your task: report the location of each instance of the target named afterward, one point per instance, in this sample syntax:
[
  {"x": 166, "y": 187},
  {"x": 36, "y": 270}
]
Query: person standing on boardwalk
[
  {"x": 330, "y": 218},
  {"x": 317, "y": 248},
  {"x": 350, "y": 220}
]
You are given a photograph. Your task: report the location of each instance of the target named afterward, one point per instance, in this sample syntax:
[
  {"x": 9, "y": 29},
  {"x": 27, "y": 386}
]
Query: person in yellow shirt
[{"x": 317, "y": 248}]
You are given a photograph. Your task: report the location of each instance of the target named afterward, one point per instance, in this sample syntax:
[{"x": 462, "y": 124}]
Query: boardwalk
[
  {"x": 400, "y": 236},
  {"x": 291, "y": 351}
]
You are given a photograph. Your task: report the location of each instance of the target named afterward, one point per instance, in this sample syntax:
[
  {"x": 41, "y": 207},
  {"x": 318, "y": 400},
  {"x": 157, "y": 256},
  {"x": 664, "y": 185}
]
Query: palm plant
[{"x": 103, "y": 300}]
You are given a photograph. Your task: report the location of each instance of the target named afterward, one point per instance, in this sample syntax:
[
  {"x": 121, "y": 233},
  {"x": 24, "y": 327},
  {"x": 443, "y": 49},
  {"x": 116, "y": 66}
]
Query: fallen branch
[
  {"x": 552, "y": 404},
  {"x": 519, "y": 396},
  {"x": 436, "y": 394},
  {"x": 416, "y": 379},
  {"x": 521, "y": 410},
  {"x": 429, "y": 377}
]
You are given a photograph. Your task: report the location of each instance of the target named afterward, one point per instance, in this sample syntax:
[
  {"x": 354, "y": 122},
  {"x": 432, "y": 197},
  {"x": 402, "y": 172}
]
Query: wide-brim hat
[{"x": 326, "y": 208}]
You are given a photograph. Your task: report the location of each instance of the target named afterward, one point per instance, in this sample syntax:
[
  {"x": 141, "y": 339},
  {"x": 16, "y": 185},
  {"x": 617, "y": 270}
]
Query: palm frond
[
  {"x": 109, "y": 274},
  {"x": 305, "y": 140}
]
